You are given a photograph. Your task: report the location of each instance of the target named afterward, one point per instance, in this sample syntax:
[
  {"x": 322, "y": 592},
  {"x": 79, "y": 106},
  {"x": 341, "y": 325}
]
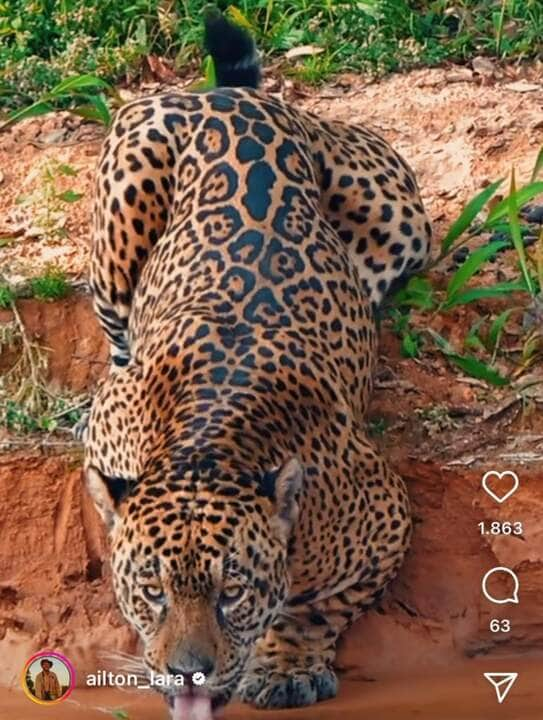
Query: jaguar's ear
[
  {"x": 107, "y": 493},
  {"x": 281, "y": 485}
]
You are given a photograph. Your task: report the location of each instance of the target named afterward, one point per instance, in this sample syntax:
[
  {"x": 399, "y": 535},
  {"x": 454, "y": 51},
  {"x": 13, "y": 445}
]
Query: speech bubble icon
[
  {"x": 494, "y": 475},
  {"x": 513, "y": 598}
]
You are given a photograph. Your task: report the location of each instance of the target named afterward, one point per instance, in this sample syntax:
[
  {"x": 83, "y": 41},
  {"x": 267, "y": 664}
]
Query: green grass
[
  {"x": 45, "y": 41},
  {"x": 52, "y": 285},
  {"x": 413, "y": 309},
  {"x": 7, "y": 296}
]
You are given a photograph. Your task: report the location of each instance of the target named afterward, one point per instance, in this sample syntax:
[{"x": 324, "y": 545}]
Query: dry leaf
[
  {"x": 160, "y": 69},
  {"x": 303, "y": 51},
  {"x": 523, "y": 86},
  {"x": 459, "y": 75}
]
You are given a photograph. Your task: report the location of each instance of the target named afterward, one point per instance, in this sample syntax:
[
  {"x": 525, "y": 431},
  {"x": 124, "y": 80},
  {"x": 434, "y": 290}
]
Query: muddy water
[{"x": 462, "y": 693}]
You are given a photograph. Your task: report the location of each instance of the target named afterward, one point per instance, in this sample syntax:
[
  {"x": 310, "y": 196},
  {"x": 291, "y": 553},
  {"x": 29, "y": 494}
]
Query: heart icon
[{"x": 487, "y": 478}]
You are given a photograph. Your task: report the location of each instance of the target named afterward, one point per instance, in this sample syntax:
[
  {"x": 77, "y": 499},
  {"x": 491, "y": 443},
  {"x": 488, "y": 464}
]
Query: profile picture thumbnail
[{"x": 48, "y": 678}]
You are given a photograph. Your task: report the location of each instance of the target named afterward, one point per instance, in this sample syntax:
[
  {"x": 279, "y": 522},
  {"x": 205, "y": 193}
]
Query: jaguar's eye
[
  {"x": 154, "y": 594},
  {"x": 230, "y": 595}
]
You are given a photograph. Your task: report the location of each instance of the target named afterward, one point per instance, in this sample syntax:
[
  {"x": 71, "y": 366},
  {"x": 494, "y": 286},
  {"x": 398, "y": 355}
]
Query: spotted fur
[
  {"x": 241, "y": 248},
  {"x": 367, "y": 193},
  {"x": 251, "y": 520}
]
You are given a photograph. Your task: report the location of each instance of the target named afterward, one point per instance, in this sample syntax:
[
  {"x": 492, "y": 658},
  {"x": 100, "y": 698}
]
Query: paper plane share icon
[{"x": 502, "y": 682}]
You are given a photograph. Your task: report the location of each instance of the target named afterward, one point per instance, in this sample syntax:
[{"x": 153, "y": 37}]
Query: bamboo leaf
[
  {"x": 96, "y": 110},
  {"x": 77, "y": 83},
  {"x": 478, "y": 369},
  {"x": 468, "y": 215},
  {"x": 522, "y": 196},
  {"x": 417, "y": 293},
  {"x": 496, "y": 329},
  {"x": 469, "y": 364},
  {"x": 473, "y": 340},
  {"x": 538, "y": 166},
  {"x": 34, "y": 110},
  {"x": 516, "y": 233},
  {"x": 482, "y": 293},
  {"x": 470, "y": 266}
]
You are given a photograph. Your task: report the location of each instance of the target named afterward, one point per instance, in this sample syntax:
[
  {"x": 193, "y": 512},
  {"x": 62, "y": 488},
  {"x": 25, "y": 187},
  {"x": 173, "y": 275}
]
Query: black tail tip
[{"x": 233, "y": 50}]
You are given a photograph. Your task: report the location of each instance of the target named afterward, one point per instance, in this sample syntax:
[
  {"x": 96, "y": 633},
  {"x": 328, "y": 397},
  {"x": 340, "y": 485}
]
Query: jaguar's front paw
[{"x": 288, "y": 688}]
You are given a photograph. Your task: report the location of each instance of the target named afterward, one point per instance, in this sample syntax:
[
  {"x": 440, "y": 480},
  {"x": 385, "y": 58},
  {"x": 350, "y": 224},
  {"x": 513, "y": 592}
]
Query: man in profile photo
[{"x": 46, "y": 684}]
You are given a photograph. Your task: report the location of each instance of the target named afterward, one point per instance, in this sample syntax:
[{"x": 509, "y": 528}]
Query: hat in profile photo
[{"x": 48, "y": 677}]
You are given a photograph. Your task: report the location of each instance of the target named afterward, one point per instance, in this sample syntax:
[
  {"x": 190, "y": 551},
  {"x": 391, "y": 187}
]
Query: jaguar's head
[{"x": 200, "y": 570}]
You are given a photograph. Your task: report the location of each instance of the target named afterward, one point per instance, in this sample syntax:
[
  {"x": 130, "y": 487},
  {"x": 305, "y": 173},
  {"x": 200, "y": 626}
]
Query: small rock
[
  {"x": 522, "y": 86},
  {"x": 54, "y": 137},
  {"x": 49, "y": 125},
  {"x": 535, "y": 215},
  {"x": 460, "y": 255},
  {"x": 459, "y": 75},
  {"x": 483, "y": 66},
  {"x": 32, "y": 129},
  {"x": 498, "y": 237}
]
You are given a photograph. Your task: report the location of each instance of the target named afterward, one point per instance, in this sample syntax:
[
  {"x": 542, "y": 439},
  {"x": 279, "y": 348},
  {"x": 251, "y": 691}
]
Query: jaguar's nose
[{"x": 192, "y": 663}]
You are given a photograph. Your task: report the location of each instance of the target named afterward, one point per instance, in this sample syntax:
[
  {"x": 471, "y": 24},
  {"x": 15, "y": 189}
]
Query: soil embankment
[{"x": 55, "y": 586}]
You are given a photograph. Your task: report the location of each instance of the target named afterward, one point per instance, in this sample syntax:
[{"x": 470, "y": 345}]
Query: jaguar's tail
[{"x": 233, "y": 51}]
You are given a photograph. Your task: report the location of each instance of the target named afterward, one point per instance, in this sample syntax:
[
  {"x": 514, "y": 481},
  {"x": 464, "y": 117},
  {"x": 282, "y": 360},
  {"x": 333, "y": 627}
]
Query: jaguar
[{"x": 241, "y": 248}]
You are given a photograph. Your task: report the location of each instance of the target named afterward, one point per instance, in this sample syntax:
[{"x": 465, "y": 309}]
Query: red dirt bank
[{"x": 55, "y": 587}]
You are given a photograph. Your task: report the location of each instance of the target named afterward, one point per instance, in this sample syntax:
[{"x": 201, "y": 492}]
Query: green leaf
[
  {"x": 68, "y": 170},
  {"x": 210, "y": 74},
  {"x": 141, "y": 35},
  {"x": 70, "y": 196},
  {"x": 96, "y": 110},
  {"x": 469, "y": 364},
  {"x": 417, "y": 293},
  {"x": 521, "y": 197},
  {"x": 77, "y": 83},
  {"x": 473, "y": 340},
  {"x": 119, "y": 714},
  {"x": 240, "y": 19},
  {"x": 482, "y": 293},
  {"x": 468, "y": 215},
  {"x": 34, "y": 110},
  {"x": 496, "y": 329},
  {"x": 440, "y": 341},
  {"x": 470, "y": 266},
  {"x": 478, "y": 369},
  {"x": 48, "y": 424},
  {"x": 410, "y": 346},
  {"x": 516, "y": 233},
  {"x": 7, "y": 296},
  {"x": 537, "y": 167}
]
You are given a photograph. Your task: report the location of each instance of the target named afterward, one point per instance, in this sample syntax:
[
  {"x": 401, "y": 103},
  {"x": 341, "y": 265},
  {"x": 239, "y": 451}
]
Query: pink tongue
[{"x": 192, "y": 707}]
